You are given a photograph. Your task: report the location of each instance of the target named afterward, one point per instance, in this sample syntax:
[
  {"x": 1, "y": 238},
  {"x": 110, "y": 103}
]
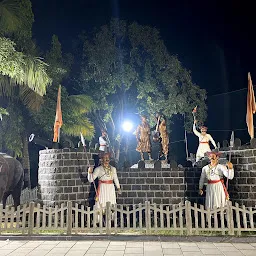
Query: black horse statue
[{"x": 11, "y": 179}]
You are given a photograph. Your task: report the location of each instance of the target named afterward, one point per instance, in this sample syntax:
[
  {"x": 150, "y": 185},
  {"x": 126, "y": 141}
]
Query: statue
[
  {"x": 164, "y": 138},
  {"x": 107, "y": 176},
  {"x": 11, "y": 179},
  {"x": 214, "y": 173},
  {"x": 103, "y": 142},
  {"x": 204, "y": 139},
  {"x": 143, "y": 138}
]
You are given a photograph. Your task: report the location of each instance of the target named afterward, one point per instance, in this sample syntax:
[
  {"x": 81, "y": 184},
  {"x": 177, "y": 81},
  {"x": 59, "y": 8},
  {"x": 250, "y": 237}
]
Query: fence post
[
  {"x": 31, "y": 218},
  {"x": 188, "y": 218},
  {"x": 108, "y": 218},
  {"x": 69, "y": 218},
  {"x": 147, "y": 215},
  {"x": 230, "y": 218}
]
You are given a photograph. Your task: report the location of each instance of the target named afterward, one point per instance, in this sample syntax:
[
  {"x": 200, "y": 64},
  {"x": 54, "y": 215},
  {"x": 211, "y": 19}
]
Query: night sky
[{"x": 211, "y": 38}]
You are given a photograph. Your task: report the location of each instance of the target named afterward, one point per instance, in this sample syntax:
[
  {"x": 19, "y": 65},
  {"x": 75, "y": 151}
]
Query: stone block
[
  {"x": 145, "y": 187},
  {"x": 152, "y": 174},
  {"x": 132, "y": 194},
  {"x": 155, "y": 187},
  {"x": 243, "y": 160},
  {"x": 251, "y": 160},
  {"x": 127, "y": 187},
  {"x": 158, "y": 165},
  {"x": 136, "y": 187},
  {"x": 165, "y": 174},
  {"x": 140, "y": 181},
  {"x": 251, "y": 181},
  {"x": 166, "y": 201},
  {"x": 174, "y": 187},
  {"x": 159, "y": 194},
  {"x": 168, "y": 180},
  {"x": 141, "y": 165},
  {"x": 165, "y": 187},
  {"x": 143, "y": 174},
  {"x": 159, "y": 181}
]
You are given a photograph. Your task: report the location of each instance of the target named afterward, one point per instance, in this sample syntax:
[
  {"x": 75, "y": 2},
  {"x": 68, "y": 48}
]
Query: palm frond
[
  {"x": 81, "y": 103},
  {"x": 84, "y": 126},
  {"x": 23, "y": 70},
  {"x": 30, "y": 98},
  {"x": 35, "y": 76}
]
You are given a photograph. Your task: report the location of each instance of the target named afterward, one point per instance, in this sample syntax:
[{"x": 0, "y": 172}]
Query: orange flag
[
  {"x": 251, "y": 107},
  {"x": 58, "y": 118}
]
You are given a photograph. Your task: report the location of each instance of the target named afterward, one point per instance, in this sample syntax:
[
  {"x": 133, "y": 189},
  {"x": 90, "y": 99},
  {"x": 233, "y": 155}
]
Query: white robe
[
  {"x": 215, "y": 195},
  {"x": 103, "y": 144},
  {"x": 106, "y": 191},
  {"x": 203, "y": 143}
]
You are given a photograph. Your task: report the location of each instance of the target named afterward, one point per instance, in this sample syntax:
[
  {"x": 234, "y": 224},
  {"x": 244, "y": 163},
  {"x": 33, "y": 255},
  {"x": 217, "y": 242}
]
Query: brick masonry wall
[
  {"x": 160, "y": 186},
  {"x": 243, "y": 187},
  {"x": 59, "y": 178},
  {"x": 60, "y": 181}
]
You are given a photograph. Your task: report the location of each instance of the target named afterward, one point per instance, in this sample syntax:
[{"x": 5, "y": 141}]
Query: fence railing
[
  {"x": 144, "y": 218},
  {"x": 27, "y": 195}
]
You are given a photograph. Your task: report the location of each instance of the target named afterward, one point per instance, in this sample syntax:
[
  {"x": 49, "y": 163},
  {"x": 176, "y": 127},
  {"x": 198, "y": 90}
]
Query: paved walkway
[{"x": 119, "y": 248}]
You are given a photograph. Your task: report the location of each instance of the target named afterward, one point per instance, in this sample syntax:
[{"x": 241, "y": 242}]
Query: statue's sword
[{"x": 231, "y": 145}]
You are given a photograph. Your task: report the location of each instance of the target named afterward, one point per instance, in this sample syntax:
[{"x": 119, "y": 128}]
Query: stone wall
[
  {"x": 243, "y": 187},
  {"x": 59, "y": 176},
  {"x": 160, "y": 186},
  {"x": 60, "y": 180}
]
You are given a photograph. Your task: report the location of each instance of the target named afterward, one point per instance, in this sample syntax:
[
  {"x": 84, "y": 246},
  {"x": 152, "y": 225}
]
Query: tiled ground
[{"x": 118, "y": 248}]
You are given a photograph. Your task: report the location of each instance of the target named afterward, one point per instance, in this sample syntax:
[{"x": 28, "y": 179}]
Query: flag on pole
[
  {"x": 58, "y": 118},
  {"x": 251, "y": 107}
]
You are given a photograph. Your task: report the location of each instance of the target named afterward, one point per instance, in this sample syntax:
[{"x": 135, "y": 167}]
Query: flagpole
[
  {"x": 186, "y": 140},
  {"x": 59, "y": 134}
]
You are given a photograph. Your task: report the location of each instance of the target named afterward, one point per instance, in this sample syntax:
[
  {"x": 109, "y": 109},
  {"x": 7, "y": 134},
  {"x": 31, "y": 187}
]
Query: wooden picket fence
[{"x": 182, "y": 219}]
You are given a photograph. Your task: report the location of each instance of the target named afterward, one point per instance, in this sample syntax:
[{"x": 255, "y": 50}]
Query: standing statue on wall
[
  {"x": 164, "y": 138},
  {"x": 216, "y": 192},
  {"x": 143, "y": 138},
  {"x": 107, "y": 176},
  {"x": 103, "y": 142},
  {"x": 204, "y": 139}
]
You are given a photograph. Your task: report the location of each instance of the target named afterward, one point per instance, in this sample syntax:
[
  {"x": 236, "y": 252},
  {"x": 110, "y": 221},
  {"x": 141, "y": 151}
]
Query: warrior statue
[
  {"x": 103, "y": 142},
  {"x": 204, "y": 139},
  {"x": 214, "y": 173},
  {"x": 107, "y": 176},
  {"x": 143, "y": 138},
  {"x": 164, "y": 138}
]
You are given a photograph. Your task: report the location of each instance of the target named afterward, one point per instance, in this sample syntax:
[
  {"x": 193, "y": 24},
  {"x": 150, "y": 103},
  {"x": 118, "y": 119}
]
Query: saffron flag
[
  {"x": 251, "y": 107},
  {"x": 58, "y": 118}
]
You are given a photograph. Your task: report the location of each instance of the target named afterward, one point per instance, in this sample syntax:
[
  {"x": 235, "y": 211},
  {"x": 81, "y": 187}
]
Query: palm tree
[
  {"x": 77, "y": 122},
  {"x": 23, "y": 79}
]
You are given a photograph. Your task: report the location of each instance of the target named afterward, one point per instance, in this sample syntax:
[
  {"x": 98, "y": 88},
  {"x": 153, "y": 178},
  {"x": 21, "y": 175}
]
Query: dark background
[{"x": 214, "y": 39}]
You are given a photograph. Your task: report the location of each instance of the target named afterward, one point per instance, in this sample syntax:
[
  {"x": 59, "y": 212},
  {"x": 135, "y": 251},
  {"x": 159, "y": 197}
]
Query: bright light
[{"x": 127, "y": 126}]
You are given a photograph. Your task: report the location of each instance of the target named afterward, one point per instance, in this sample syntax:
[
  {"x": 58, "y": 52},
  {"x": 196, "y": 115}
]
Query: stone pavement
[{"x": 122, "y": 248}]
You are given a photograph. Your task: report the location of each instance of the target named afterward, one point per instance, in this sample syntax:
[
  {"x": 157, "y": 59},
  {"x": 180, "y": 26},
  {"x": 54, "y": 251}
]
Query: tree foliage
[
  {"x": 74, "y": 110},
  {"x": 128, "y": 66},
  {"x": 21, "y": 69},
  {"x": 74, "y": 107}
]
